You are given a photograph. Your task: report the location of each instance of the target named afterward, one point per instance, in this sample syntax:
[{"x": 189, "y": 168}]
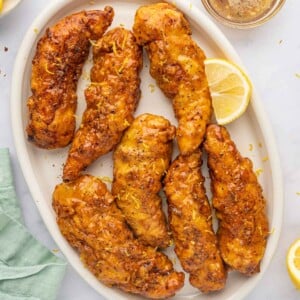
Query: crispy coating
[
  {"x": 177, "y": 64},
  {"x": 190, "y": 219},
  {"x": 56, "y": 68},
  {"x": 91, "y": 222},
  {"x": 140, "y": 161},
  {"x": 239, "y": 202},
  {"x": 111, "y": 99}
]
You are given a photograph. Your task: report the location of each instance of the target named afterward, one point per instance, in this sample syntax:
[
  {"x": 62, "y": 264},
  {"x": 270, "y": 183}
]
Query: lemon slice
[
  {"x": 293, "y": 263},
  {"x": 230, "y": 89},
  {"x": 1, "y": 5}
]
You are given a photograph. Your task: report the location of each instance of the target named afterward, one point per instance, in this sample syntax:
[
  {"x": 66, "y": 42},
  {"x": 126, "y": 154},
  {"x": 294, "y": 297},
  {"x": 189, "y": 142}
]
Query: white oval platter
[{"x": 42, "y": 169}]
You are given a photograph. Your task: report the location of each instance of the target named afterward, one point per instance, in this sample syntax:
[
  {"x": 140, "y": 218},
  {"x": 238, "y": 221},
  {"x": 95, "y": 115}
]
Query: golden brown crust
[
  {"x": 177, "y": 64},
  {"x": 56, "y": 68},
  {"x": 140, "y": 161},
  {"x": 240, "y": 205},
  {"x": 111, "y": 99},
  {"x": 91, "y": 222},
  {"x": 190, "y": 219}
]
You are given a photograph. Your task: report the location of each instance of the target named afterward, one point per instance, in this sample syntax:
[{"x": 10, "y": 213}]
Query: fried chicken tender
[
  {"x": 177, "y": 64},
  {"x": 140, "y": 161},
  {"x": 239, "y": 202},
  {"x": 91, "y": 222},
  {"x": 190, "y": 219},
  {"x": 56, "y": 68},
  {"x": 111, "y": 99}
]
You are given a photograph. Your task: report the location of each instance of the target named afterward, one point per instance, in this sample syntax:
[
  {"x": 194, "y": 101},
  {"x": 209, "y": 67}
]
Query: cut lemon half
[
  {"x": 230, "y": 89},
  {"x": 293, "y": 263}
]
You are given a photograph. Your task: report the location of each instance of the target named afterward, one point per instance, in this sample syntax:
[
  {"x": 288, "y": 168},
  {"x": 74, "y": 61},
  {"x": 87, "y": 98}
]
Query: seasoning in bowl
[{"x": 243, "y": 13}]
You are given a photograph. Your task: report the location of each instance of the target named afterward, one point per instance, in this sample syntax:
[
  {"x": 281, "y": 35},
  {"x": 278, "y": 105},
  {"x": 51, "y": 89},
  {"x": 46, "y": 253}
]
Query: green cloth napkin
[{"x": 28, "y": 270}]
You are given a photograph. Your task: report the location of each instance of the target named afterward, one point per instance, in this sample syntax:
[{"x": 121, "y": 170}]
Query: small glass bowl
[{"x": 234, "y": 19}]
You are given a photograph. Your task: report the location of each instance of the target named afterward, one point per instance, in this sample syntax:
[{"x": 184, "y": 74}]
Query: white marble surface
[{"x": 271, "y": 54}]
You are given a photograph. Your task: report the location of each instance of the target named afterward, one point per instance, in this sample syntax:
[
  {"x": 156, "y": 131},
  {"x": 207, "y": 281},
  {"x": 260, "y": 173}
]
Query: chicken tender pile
[
  {"x": 91, "y": 222},
  {"x": 56, "y": 68},
  {"x": 238, "y": 200},
  {"x": 177, "y": 65},
  {"x": 111, "y": 99},
  {"x": 117, "y": 234},
  {"x": 190, "y": 218},
  {"x": 140, "y": 161}
]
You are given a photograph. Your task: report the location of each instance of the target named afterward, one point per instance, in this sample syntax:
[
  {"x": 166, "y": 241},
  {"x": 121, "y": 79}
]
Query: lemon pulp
[
  {"x": 230, "y": 89},
  {"x": 293, "y": 263}
]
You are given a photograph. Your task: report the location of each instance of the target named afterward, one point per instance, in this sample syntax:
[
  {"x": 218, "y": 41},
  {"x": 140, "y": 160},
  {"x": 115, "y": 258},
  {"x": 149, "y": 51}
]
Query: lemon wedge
[
  {"x": 293, "y": 263},
  {"x": 1, "y": 5},
  {"x": 230, "y": 89}
]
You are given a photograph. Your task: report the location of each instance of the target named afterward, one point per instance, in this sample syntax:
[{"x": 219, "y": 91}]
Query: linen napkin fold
[{"x": 28, "y": 270}]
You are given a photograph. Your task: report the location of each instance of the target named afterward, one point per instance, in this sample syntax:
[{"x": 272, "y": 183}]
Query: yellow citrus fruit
[
  {"x": 230, "y": 89},
  {"x": 1, "y": 5},
  {"x": 293, "y": 263}
]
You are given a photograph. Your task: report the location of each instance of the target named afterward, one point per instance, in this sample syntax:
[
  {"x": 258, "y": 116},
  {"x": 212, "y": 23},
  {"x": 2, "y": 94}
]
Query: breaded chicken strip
[
  {"x": 140, "y": 161},
  {"x": 190, "y": 219},
  {"x": 177, "y": 64},
  {"x": 91, "y": 222},
  {"x": 56, "y": 68},
  {"x": 240, "y": 205},
  {"x": 111, "y": 99}
]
